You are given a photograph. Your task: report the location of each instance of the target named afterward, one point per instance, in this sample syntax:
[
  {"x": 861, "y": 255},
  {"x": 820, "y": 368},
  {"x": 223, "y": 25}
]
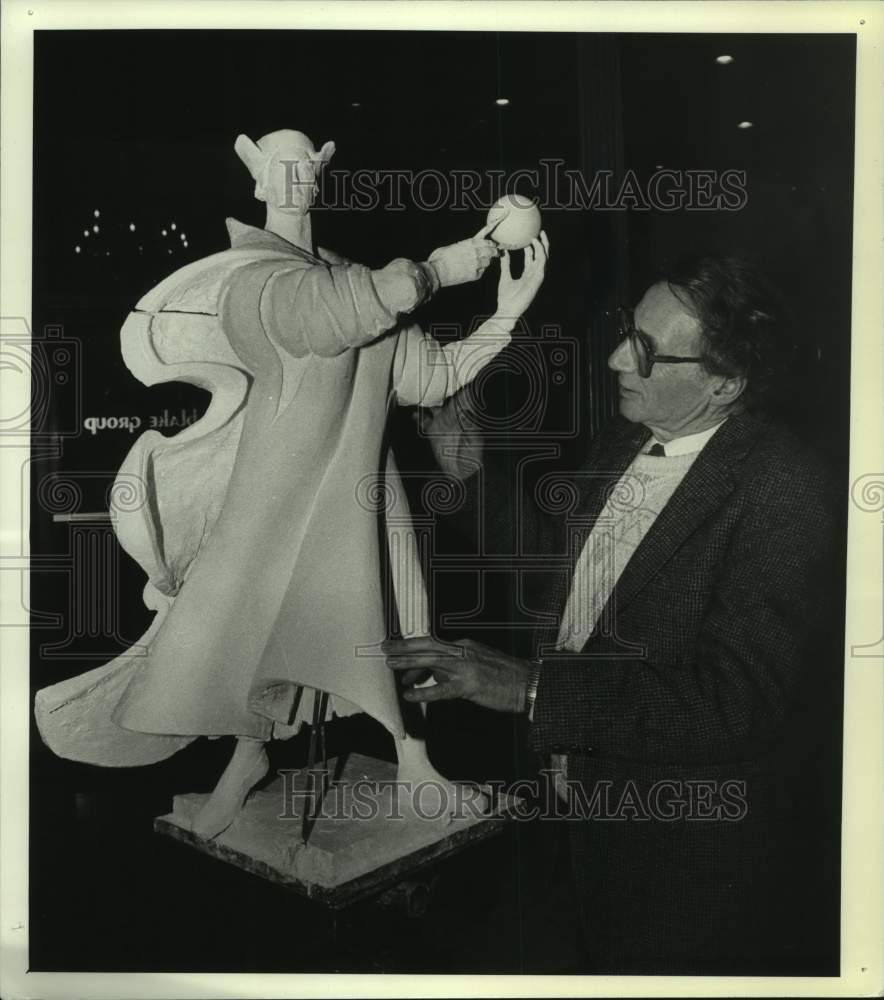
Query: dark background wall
[{"x": 140, "y": 125}]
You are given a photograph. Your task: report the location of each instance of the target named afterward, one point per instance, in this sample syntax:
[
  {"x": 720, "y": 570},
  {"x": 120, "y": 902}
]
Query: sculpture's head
[{"x": 285, "y": 166}]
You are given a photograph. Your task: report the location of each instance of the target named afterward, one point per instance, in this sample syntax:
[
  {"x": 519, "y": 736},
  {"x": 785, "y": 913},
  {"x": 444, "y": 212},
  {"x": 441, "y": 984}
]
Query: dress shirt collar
[{"x": 687, "y": 445}]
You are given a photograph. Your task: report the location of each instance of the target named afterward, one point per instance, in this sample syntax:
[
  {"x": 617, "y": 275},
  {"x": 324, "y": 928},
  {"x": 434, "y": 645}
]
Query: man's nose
[{"x": 621, "y": 359}]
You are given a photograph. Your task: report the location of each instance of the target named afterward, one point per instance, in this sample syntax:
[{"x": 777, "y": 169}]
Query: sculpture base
[{"x": 362, "y": 841}]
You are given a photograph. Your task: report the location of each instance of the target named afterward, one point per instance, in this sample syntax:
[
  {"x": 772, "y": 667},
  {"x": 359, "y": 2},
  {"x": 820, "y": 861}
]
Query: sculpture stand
[{"x": 359, "y": 843}]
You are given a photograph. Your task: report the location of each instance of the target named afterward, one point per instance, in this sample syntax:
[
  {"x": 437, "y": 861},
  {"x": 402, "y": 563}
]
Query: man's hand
[
  {"x": 465, "y": 261},
  {"x": 514, "y": 295},
  {"x": 463, "y": 669}
]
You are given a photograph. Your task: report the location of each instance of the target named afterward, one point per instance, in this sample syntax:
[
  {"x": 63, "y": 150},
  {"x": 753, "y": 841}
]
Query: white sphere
[{"x": 518, "y": 221}]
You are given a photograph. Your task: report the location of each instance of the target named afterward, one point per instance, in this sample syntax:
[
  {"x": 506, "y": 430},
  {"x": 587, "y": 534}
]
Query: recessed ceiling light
[
  {"x": 96, "y": 213},
  {"x": 173, "y": 226},
  {"x": 355, "y": 104},
  {"x": 76, "y": 249},
  {"x": 164, "y": 233},
  {"x": 745, "y": 125},
  {"x": 131, "y": 227},
  {"x": 95, "y": 229},
  {"x": 85, "y": 232},
  {"x": 502, "y": 102},
  {"x": 724, "y": 60}
]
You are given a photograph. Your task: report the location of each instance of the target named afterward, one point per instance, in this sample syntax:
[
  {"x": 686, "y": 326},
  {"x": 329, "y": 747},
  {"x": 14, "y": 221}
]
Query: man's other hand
[{"x": 463, "y": 669}]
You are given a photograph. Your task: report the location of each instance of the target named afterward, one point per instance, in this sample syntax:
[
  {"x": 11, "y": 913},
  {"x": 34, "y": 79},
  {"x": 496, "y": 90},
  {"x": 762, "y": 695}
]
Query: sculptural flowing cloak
[{"x": 258, "y": 525}]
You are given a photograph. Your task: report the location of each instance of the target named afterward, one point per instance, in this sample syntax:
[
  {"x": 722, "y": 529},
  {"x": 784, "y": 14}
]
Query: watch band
[{"x": 532, "y": 685}]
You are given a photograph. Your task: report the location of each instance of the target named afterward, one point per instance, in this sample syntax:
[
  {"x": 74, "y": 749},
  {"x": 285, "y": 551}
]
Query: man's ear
[
  {"x": 730, "y": 390},
  {"x": 250, "y": 155},
  {"x": 327, "y": 151}
]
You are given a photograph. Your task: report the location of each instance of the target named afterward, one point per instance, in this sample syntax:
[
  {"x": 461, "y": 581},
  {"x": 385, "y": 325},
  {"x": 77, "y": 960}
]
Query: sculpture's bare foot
[
  {"x": 424, "y": 794},
  {"x": 247, "y": 767}
]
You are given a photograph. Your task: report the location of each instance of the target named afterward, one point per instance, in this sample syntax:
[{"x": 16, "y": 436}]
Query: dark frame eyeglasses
[{"x": 642, "y": 353}]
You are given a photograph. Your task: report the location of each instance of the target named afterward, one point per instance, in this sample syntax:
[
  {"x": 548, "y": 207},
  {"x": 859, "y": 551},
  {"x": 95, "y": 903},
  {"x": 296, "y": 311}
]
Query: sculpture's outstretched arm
[
  {"x": 346, "y": 306},
  {"x": 426, "y": 373}
]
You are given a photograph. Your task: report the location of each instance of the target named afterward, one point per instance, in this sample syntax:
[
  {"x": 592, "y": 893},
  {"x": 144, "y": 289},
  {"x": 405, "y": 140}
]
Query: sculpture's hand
[
  {"x": 465, "y": 261},
  {"x": 514, "y": 295},
  {"x": 463, "y": 669}
]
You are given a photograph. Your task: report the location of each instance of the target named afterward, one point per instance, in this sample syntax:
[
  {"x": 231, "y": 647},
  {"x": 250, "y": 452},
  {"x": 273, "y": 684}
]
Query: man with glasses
[{"x": 677, "y": 693}]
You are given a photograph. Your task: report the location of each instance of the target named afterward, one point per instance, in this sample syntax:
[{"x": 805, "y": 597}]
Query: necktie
[{"x": 658, "y": 451}]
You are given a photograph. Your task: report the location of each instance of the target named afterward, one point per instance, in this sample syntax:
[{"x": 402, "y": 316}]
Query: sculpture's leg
[
  {"x": 425, "y": 793},
  {"x": 247, "y": 767}
]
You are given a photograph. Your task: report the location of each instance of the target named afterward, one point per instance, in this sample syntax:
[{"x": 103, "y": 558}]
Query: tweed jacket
[
  {"x": 705, "y": 646},
  {"x": 715, "y": 663}
]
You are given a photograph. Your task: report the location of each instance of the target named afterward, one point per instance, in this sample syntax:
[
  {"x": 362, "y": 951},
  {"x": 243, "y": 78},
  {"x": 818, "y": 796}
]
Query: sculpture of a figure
[{"x": 264, "y": 568}]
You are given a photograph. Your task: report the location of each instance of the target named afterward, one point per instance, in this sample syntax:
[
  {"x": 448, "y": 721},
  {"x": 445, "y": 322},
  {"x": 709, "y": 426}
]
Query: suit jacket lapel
[{"x": 702, "y": 491}]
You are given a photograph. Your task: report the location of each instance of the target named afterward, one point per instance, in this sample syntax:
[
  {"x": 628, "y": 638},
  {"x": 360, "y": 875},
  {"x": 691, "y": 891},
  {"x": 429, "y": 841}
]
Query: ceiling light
[
  {"x": 131, "y": 227},
  {"x": 173, "y": 226},
  {"x": 745, "y": 125},
  {"x": 96, "y": 213},
  {"x": 724, "y": 60},
  {"x": 164, "y": 233},
  {"x": 76, "y": 249},
  {"x": 95, "y": 229},
  {"x": 502, "y": 102}
]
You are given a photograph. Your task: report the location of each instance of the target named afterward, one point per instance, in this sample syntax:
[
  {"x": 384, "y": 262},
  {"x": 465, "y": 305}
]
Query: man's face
[{"x": 675, "y": 399}]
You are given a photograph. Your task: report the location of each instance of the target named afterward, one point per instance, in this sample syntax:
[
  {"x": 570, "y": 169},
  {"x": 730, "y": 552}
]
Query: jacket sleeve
[
  {"x": 753, "y": 655},
  {"x": 328, "y": 310}
]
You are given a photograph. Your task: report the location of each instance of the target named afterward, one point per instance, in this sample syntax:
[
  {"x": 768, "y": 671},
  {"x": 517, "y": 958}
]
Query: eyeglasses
[{"x": 642, "y": 354}]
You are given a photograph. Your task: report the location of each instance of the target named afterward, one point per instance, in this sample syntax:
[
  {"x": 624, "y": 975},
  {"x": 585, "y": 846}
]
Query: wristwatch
[{"x": 531, "y": 687}]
